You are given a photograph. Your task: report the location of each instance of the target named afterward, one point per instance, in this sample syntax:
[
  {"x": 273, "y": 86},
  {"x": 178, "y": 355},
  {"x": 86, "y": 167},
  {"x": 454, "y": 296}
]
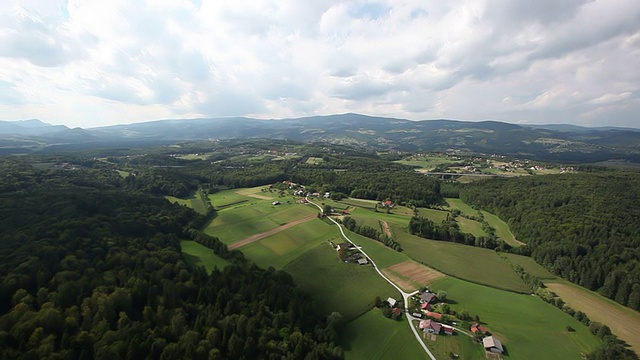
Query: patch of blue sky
[{"x": 368, "y": 10}]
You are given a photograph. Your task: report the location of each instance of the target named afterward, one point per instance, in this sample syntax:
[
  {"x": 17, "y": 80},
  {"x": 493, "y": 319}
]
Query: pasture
[
  {"x": 337, "y": 286},
  {"x": 523, "y": 323},
  {"x": 623, "y": 322},
  {"x": 372, "y": 336},
  {"x": 253, "y": 217},
  {"x": 470, "y": 226},
  {"x": 437, "y": 216},
  {"x": 280, "y": 249},
  {"x": 529, "y": 265},
  {"x": 198, "y": 255},
  {"x": 471, "y": 263}
]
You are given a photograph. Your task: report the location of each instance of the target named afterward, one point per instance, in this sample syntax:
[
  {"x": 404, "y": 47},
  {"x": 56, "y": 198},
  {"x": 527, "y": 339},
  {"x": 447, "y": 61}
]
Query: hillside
[
  {"x": 582, "y": 227},
  {"x": 559, "y": 143}
]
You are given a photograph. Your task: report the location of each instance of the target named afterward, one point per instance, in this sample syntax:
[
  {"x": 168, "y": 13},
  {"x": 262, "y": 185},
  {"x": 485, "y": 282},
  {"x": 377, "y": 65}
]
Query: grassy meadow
[
  {"x": 199, "y": 255},
  {"x": 337, "y": 286},
  {"x": 193, "y": 202},
  {"x": 253, "y": 217},
  {"x": 471, "y": 263},
  {"x": 372, "y": 336},
  {"x": 383, "y": 255},
  {"x": 524, "y": 323},
  {"x": 529, "y": 265},
  {"x": 280, "y": 249},
  {"x": 623, "y": 321},
  {"x": 425, "y": 163}
]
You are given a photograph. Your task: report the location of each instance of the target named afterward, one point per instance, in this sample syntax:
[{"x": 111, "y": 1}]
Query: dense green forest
[
  {"x": 90, "y": 267},
  {"x": 583, "y": 227}
]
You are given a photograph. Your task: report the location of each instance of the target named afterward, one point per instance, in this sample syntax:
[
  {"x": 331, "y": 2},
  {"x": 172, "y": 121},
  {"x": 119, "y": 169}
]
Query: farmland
[
  {"x": 624, "y": 322},
  {"x": 460, "y": 344},
  {"x": 475, "y": 264},
  {"x": 529, "y": 265},
  {"x": 279, "y": 249},
  {"x": 347, "y": 288},
  {"x": 372, "y": 336},
  {"x": 198, "y": 255},
  {"x": 521, "y": 322},
  {"x": 410, "y": 275},
  {"x": 253, "y": 217}
]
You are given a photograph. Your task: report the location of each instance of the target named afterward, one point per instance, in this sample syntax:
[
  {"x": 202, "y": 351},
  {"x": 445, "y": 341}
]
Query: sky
[{"x": 92, "y": 63}]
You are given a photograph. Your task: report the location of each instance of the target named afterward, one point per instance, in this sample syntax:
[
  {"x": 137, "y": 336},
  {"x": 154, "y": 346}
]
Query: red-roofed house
[
  {"x": 477, "y": 328},
  {"x": 434, "y": 315},
  {"x": 426, "y": 306},
  {"x": 430, "y": 326},
  {"x": 448, "y": 330}
]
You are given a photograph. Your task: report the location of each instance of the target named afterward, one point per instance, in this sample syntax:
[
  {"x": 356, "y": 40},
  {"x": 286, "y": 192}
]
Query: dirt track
[{"x": 263, "y": 235}]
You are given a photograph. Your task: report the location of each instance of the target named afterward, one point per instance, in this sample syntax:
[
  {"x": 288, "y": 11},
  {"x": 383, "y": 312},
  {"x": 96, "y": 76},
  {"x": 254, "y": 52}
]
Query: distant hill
[{"x": 563, "y": 143}]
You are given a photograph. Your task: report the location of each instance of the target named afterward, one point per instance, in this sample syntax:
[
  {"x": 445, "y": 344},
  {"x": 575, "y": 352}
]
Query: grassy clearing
[
  {"x": 365, "y": 204},
  {"x": 314, "y": 160},
  {"x": 123, "y": 174},
  {"x": 225, "y": 198},
  {"x": 623, "y": 321},
  {"x": 470, "y": 226},
  {"x": 530, "y": 266},
  {"x": 528, "y": 327},
  {"x": 253, "y": 217},
  {"x": 502, "y": 229},
  {"x": 198, "y": 255},
  {"x": 372, "y": 336},
  {"x": 471, "y": 263},
  {"x": 371, "y": 216},
  {"x": 280, "y": 249},
  {"x": 347, "y": 288},
  {"x": 436, "y": 216}
]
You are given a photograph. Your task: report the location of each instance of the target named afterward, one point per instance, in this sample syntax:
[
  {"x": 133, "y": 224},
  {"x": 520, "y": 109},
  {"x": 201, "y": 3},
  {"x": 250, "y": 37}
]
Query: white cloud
[{"x": 92, "y": 62}]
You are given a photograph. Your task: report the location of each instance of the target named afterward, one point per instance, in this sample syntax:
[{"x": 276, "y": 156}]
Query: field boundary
[{"x": 257, "y": 237}]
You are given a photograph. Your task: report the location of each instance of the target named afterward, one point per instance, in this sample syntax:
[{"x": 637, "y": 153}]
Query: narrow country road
[{"x": 405, "y": 295}]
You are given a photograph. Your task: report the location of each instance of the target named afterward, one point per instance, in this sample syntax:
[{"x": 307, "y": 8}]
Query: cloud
[{"x": 543, "y": 61}]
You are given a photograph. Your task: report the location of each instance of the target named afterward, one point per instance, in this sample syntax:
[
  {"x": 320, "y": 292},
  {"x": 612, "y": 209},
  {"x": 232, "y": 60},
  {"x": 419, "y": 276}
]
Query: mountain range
[{"x": 563, "y": 143}]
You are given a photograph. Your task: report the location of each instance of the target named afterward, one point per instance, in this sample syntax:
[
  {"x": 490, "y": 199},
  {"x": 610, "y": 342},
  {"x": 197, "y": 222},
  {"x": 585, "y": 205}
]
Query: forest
[
  {"x": 90, "y": 267},
  {"x": 583, "y": 227}
]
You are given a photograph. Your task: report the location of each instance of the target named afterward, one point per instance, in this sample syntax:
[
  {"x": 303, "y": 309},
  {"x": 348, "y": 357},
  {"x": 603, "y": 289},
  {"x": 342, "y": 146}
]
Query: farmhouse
[
  {"x": 430, "y": 326},
  {"x": 392, "y": 302},
  {"x": 426, "y": 306},
  {"x": 363, "y": 261},
  {"x": 492, "y": 344},
  {"x": 428, "y": 297},
  {"x": 434, "y": 315},
  {"x": 479, "y": 329}
]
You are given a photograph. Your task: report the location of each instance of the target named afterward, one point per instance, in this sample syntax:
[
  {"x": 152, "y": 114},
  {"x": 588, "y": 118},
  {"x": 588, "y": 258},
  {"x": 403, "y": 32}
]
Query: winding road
[{"x": 405, "y": 295}]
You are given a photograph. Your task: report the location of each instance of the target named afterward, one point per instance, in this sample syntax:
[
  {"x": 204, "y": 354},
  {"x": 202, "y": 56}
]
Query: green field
[
  {"x": 337, "y": 286},
  {"x": 527, "y": 326},
  {"x": 530, "y": 266},
  {"x": 226, "y": 198},
  {"x": 314, "y": 160},
  {"x": 437, "y": 216},
  {"x": 280, "y": 249},
  {"x": 253, "y": 217},
  {"x": 199, "y": 255},
  {"x": 471, "y": 263},
  {"x": 372, "y": 336},
  {"x": 470, "y": 226},
  {"x": 372, "y": 217},
  {"x": 502, "y": 229}
]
